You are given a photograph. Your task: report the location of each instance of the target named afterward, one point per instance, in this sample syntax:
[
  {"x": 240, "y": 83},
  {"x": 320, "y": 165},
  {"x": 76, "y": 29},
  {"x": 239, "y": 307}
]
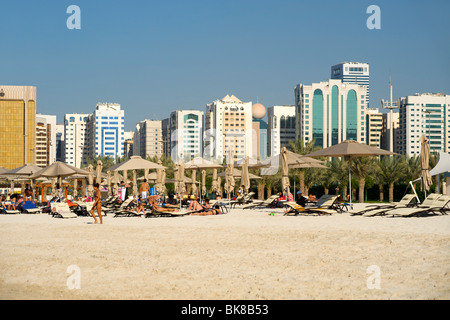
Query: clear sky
[{"x": 154, "y": 57}]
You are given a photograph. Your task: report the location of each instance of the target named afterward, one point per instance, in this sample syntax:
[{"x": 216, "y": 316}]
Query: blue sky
[{"x": 153, "y": 57}]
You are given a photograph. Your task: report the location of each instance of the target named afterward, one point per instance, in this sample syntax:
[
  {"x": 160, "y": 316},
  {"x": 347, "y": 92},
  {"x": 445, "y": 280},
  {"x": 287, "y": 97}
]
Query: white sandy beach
[{"x": 241, "y": 255}]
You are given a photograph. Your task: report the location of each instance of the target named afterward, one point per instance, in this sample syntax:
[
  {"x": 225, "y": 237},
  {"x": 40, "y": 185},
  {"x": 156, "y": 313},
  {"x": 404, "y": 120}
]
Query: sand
[{"x": 242, "y": 255}]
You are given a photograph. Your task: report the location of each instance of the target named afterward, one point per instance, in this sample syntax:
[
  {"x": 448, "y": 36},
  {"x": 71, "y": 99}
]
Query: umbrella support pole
[
  {"x": 350, "y": 183},
  {"x": 418, "y": 201}
]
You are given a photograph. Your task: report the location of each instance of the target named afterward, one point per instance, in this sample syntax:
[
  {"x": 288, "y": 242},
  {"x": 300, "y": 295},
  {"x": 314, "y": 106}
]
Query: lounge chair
[
  {"x": 62, "y": 211},
  {"x": 30, "y": 207},
  {"x": 124, "y": 208},
  {"x": 9, "y": 210},
  {"x": 269, "y": 203},
  {"x": 407, "y": 201},
  {"x": 327, "y": 204},
  {"x": 245, "y": 200},
  {"x": 430, "y": 204},
  {"x": 88, "y": 208}
]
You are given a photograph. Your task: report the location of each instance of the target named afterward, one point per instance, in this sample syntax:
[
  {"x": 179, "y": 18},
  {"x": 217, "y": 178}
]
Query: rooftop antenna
[{"x": 391, "y": 105}]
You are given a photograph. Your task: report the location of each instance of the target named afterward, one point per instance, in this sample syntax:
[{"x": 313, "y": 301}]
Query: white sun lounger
[
  {"x": 62, "y": 210},
  {"x": 431, "y": 203}
]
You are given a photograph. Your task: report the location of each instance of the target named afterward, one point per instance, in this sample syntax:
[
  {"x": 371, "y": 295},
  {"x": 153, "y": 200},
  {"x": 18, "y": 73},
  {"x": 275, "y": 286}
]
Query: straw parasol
[
  {"x": 134, "y": 183},
  {"x": 204, "y": 182},
  {"x": 215, "y": 184},
  {"x": 99, "y": 171},
  {"x": 182, "y": 184},
  {"x": 425, "y": 175},
  {"x": 26, "y": 170},
  {"x": 91, "y": 181},
  {"x": 200, "y": 163},
  {"x": 245, "y": 180},
  {"x": 136, "y": 163},
  {"x": 349, "y": 149},
  {"x": 285, "y": 170},
  {"x": 194, "y": 185}
]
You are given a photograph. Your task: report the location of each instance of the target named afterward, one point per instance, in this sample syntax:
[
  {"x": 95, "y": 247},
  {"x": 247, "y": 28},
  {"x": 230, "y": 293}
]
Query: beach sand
[{"x": 241, "y": 255}]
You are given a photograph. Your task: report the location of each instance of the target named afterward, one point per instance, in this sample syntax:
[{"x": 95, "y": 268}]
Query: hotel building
[
  {"x": 106, "y": 131},
  {"x": 330, "y": 112},
  {"x": 374, "y": 127},
  {"x": 281, "y": 127},
  {"x": 45, "y": 140},
  {"x": 186, "y": 134},
  {"x": 75, "y": 139},
  {"x": 17, "y": 126},
  {"x": 228, "y": 128},
  {"x": 354, "y": 73},
  {"x": 147, "y": 140},
  {"x": 427, "y": 114}
]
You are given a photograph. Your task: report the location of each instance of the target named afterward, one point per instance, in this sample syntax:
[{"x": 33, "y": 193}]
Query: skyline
[{"x": 175, "y": 55}]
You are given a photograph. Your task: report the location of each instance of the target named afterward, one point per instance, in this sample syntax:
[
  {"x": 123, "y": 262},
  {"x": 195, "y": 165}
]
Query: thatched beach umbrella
[
  {"x": 194, "y": 187},
  {"x": 349, "y": 149},
  {"x": 99, "y": 171},
  {"x": 90, "y": 190},
  {"x": 285, "y": 171},
  {"x": 204, "y": 182},
  {"x": 245, "y": 180},
  {"x": 425, "y": 175},
  {"x": 215, "y": 184}
]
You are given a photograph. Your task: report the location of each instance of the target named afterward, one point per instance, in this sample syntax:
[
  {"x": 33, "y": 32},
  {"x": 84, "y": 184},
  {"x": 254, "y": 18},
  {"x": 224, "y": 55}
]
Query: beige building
[
  {"x": 17, "y": 126},
  {"x": 45, "y": 140},
  {"x": 374, "y": 127},
  {"x": 228, "y": 128},
  {"x": 147, "y": 139}
]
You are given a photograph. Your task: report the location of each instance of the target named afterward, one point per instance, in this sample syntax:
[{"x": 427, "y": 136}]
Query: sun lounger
[
  {"x": 327, "y": 204},
  {"x": 30, "y": 207},
  {"x": 62, "y": 210},
  {"x": 245, "y": 200},
  {"x": 6, "y": 208},
  {"x": 430, "y": 204},
  {"x": 407, "y": 201},
  {"x": 124, "y": 208},
  {"x": 88, "y": 208},
  {"x": 269, "y": 203}
]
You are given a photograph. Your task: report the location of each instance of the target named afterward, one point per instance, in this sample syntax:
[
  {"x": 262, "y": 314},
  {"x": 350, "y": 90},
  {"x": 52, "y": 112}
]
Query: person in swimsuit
[{"x": 97, "y": 204}]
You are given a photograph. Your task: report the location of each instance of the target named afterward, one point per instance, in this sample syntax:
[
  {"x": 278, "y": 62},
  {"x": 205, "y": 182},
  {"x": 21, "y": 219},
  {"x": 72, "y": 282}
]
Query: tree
[
  {"x": 299, "y": 147},
  {"x": 390, "y": 170},
  {"x": 339, "y": 173},
  {"x": 362, "y": 167},
  {"x": 107, "y": 161}
]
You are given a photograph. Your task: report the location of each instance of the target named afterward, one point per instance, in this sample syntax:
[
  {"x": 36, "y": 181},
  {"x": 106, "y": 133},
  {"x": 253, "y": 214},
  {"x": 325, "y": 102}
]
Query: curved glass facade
[
  {"x": 352, "y": 120},
  {"x": 317, "y": 118},
  {"x": 335, "y": 115}
]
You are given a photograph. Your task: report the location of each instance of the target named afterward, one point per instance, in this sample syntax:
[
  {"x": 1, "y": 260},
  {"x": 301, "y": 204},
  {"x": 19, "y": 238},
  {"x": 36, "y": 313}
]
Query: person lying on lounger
[
  {"x": 207, "y": 210},
  {"x": 157, "y": 208}
]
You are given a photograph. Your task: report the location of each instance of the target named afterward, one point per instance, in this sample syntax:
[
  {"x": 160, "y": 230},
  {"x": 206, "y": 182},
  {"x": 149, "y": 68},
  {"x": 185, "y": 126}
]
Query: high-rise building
[
  {"x": 354, "y": 73},
  {"x": 374, "y": 127},
  {"x": 186, "y": 134},
  {"x": 106, "y": 131},
  {"x": 424, "y": 114},
  {"x": 390, "y": 127},
  {"x": 147, "y": 139},
  {"x": 60, "y": 149},
  {"x": 228, "y": 128},
  {"x": 45, "y": 140},
  {"x": 282, "y": 127},
  {"x": 17, "y": 126},
  {"x": 330, "y": 112},
  {"x": 75, "y": 139}
]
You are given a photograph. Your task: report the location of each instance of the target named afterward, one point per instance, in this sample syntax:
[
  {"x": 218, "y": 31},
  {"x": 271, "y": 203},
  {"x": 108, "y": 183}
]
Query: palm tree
[
  {"x": 390, "y": 170},
  {"x": 339, "y": 173},
  {"x": 107, "y": 161},
  {"x": 299, "y": 147},
  {"x": 362, "y": 167},
  {"x": 412, "y": 168}
]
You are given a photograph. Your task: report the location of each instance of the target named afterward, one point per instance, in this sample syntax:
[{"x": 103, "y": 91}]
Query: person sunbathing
[
  {"x": 195, "y": 205},
  {"x": 207, "y": 210},
  {"x": 157, "y": 208}
]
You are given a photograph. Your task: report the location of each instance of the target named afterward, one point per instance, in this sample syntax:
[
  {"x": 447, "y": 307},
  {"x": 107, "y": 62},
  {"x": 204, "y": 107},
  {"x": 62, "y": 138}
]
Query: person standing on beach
[
  {"x": 144, "y": 189},
  {"x": 97, "y": 204}
]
